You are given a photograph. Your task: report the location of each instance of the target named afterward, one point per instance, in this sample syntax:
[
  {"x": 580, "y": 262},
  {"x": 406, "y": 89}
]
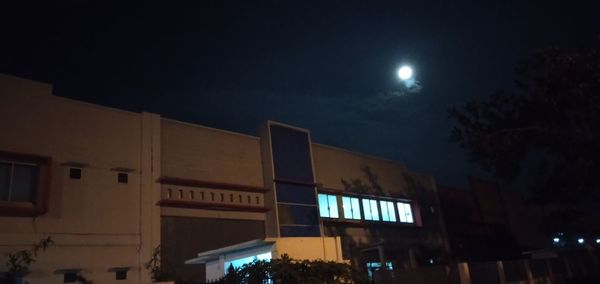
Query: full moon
[{"x": 405, "y": 72}]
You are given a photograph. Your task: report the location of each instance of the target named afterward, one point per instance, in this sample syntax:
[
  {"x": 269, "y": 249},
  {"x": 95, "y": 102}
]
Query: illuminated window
[
  {"x": 237, "y": 263},
  {"x": 376, "y": 266},
  {"x": 351, "y": 207},
  {"x": 328, "y": 206},
  {"x": 370, "y": 209},
  {"x": 387, "y": 211},
  {"x": 405, "y": 212}
]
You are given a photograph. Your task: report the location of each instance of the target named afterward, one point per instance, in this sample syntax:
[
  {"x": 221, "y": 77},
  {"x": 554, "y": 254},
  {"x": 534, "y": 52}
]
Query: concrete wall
[
  {"x": 334, "y": 164},
  {"x": 324, "y": 248},
  {"x": 183, "y": 238},
  {"x": 98, "y": 223},
  {"x": 95, "y": 220},
  {"x": 404, "y": 244},
  {"x": 202, "y": 153}
]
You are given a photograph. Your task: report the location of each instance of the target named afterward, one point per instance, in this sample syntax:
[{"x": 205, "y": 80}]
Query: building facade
[
  {"x": 485, "y": 223},
  {"x": 109, "y": 186}
]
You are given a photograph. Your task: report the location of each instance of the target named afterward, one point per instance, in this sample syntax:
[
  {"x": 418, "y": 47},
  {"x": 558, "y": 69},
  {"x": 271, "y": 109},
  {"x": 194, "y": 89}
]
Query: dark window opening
[
  {"x": 18, "y": 181},
  {"x": 70, "y": 277},
  {"x": 123, "y": 177},
  {"x": 231, "y": 198},
  {"x": 74, "y": 173},
  {"x": 291, "y": 154},
  {"x": 24, "y": 181},
  {"x": 121, "y": 275},
  {"x": 222, "y": 197}
]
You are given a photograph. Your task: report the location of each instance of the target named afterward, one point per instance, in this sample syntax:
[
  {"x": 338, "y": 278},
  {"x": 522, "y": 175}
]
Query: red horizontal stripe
[
  {"x": 211, "y": 206},
  {"x": 211, "y": 184}
]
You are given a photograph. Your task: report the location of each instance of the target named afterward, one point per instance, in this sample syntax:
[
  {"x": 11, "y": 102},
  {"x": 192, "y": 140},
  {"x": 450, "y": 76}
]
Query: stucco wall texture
[{"x": 98, "y": 223}]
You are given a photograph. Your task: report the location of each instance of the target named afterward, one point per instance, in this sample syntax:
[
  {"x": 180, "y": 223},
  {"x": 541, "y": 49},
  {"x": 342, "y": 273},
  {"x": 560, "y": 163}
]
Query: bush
[{"x": 290, "y": 271}]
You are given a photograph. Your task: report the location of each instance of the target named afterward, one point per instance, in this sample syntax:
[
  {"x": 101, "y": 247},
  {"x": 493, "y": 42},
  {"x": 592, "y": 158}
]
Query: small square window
[
  {"x": 75, "y": 173},
  {"x": 123, "y": 177},
  {"x": 70, "y": 277},
  {"x": 121, "y": 275}
]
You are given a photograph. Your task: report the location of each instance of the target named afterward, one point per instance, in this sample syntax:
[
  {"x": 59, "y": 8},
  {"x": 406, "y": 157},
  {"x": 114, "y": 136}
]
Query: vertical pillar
[
  {"x": 463, "y": 273},
  {"x": 382, "y": 260},
  {"x": 568, "y": 267},
  {"x": 149, "y": 218},
  {"x": 412, "y": 258},
  {"x": 272, "y": 218},
  {"x": 549, "y": 270},
  {"x": 528, "y": 271},
  {"x": 440, "y": 216},
  {"x": 501, "y": 274},
  {"x": 221, "y": 266}
]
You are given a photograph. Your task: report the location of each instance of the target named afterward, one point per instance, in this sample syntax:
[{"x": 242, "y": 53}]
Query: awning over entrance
[{"x": 233, "y": 251}]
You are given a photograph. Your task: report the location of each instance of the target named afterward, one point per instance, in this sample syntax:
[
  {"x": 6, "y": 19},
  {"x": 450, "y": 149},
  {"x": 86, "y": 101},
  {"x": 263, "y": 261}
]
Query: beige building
[{"x": 109, "y": 186}]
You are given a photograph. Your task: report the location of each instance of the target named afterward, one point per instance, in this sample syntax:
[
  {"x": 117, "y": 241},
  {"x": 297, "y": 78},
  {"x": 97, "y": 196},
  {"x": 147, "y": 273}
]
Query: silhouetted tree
[{"x": 551, "y": 119}]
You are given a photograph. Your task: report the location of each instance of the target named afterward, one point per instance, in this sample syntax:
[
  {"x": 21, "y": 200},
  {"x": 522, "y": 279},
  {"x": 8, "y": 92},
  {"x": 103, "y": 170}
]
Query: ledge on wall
[{"x": 211, "y": 184}]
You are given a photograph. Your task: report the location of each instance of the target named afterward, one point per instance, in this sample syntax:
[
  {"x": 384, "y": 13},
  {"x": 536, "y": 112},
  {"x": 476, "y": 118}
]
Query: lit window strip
[{"x": 371, "y": 209}]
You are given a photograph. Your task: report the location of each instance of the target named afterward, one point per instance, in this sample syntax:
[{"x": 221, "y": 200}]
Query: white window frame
[
  {"x": 372, "y": 207},
  {"x": 331, "y": 202},
  {"x": 353, "y": 206},
  {"x": 405, "y": 212},
  {"x": 387, "y": 206}
]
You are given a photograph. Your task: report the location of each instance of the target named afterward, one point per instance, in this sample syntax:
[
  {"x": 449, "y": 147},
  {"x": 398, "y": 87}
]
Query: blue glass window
[
  {"x": 370, "y": 209},
  {"x": 299, "y": 231},
  {"x": 292, "y": 193},
  {"x": 351, "y": 207},
  {"x": 290, "y": 214},
  {"x": 328, "y": 206},
  {"x": 291, "y": 154},
  {"x": 247, "y": 260},
  {"x": 387, "y": 211},
  {"x": 375, "y": 266},
  {"x": 405, "y": 212}
]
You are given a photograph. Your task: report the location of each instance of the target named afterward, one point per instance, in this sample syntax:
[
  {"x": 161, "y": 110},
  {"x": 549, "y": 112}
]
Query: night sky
[{"x": 329, "y": 66}]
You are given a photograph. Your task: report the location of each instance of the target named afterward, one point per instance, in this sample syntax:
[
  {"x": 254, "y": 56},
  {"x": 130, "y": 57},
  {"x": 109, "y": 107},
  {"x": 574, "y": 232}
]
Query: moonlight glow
[{"x": 405, "y": 72}]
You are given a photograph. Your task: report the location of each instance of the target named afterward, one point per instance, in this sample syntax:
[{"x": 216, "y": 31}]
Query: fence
[{"x": 571, "y": 267}]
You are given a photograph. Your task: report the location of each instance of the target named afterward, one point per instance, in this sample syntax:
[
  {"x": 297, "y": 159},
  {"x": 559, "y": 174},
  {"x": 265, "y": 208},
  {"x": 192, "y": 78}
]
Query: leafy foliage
[
  {"x": 551, "y": 118},
  {"x": 358, "y": 186},
  {"x": 288, "y": 270},
  {"x": 155, "y": 268},
  {"x": 81, "y": 279},
  {"x": 18, "y": 263}
]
